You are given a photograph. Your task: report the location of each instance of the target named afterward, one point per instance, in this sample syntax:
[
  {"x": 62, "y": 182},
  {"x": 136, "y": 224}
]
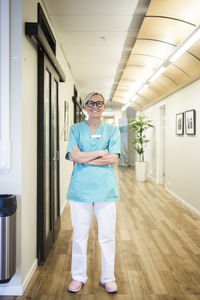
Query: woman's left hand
[{"x": 76, "y": 148}]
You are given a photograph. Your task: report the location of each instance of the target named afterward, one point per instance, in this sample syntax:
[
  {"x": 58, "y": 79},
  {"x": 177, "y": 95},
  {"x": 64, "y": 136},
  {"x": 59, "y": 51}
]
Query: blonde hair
[{"x": 90, "y": 95}]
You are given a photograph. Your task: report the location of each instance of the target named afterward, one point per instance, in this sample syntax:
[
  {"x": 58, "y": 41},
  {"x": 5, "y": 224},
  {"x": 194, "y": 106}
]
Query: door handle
[{"x": 57, "y": 156}]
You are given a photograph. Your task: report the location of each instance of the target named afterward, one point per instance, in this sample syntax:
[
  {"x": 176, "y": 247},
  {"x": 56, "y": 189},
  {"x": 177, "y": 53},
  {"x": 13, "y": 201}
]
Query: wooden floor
[{"x": 157, "y": 253}]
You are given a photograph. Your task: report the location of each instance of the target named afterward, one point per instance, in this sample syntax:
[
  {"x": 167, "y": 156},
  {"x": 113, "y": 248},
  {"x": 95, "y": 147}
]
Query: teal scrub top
[{"x": 93, "y": 183}]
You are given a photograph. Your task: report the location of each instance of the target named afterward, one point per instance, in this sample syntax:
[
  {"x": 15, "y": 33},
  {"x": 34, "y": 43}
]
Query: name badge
[{"x": 95, "y": 136}]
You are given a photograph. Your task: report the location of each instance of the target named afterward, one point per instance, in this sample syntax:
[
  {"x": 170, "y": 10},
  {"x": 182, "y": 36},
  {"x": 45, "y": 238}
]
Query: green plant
[{"x": 139, "y": 125}]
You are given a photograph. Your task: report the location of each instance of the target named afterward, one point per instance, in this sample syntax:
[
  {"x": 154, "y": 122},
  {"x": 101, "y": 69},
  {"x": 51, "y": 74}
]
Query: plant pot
[{"x": 141, "y": 170}]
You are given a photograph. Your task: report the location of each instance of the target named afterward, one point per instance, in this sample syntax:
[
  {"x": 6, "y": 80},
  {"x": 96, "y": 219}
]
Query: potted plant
[{"x": 139, "y": 125}]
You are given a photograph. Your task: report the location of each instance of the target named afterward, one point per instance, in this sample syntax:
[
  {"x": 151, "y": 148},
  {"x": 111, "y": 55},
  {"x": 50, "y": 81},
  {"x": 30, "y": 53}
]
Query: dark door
[
  {"x": 48, "y": 208},
  {"x": 78, "y": 108}
]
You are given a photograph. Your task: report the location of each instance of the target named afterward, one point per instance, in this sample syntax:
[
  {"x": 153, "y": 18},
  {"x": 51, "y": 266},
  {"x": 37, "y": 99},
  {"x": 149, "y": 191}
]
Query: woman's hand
[
  {"x": 76, "y": 148},
  {"x": 101, "y": 152},
  {"x": 111, "y": 158},
  {"x": 83, "y": 157}
]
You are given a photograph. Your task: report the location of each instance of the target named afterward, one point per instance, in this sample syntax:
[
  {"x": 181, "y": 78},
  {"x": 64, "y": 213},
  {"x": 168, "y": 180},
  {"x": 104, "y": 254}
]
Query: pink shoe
[
  {"x": 75, "y": 286},
  {"x": 110, "y": 287}
]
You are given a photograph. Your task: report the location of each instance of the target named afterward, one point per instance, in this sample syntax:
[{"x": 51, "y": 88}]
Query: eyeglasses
[{"x": 92, "y": 103}]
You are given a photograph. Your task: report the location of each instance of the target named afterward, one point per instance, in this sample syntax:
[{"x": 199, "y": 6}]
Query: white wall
[
  {"x": 131, "y": 152},
  {"x": 29, "y": 146},
  {"x": 29, "y": 137},
  {"x": 22, "y": 180},
  {"x": 129, "y": 114},
  {"x": 10, "y": 183},
  {"x": 182, "y": 152}
]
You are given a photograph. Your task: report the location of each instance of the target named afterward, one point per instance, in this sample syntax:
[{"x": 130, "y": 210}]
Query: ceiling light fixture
[
  {"x": 145, "y": 86},
  {"x": 184, "y": 46},
  {"x": 133, "y": 98},
  {"x": 157, "y": 74},
  {"x": 193, "y": 37}
]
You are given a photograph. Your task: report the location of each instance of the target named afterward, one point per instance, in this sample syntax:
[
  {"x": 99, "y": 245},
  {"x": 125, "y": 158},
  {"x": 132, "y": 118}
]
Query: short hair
[{"x": 90, "y": 95}]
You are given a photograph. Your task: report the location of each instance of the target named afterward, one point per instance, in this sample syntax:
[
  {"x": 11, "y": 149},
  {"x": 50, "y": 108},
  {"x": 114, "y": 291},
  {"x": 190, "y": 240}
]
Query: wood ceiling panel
[
  {"x": 160, "y": 88},
  {"x": 145, "y": 61},
  {"x": 121, "y": 93},
  {"x": 176, "y": 74},
  {"x": 118, "y": 100},
  {"x": 195, "y": 49},
  {"x": 141, "y": 101},
  {"x": 189, "y": 64},
  {"x": 164, "y": 29},
  {"x": 136, "y": 106},
  {"x": 125, "y": 83},
  {"x": 166, "y": 83},
  {"x": 153, "y": 48},
  {"x": 150, "y": 94},
  {"x": 122, "y": 89},
  {"x": 118, "y": 93},
  {"x": 167, "y": 24},
  {"x": 136, "y": 73},
  {"x": 186, "y": 10},
  {"x": 142, "y": 70}
]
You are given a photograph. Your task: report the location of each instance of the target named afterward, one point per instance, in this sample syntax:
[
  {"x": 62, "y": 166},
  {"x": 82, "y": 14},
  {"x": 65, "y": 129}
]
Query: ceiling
[
  {"x": 97, "y": 37},
  {"x": 114, "y": 46},
  {"x": 166, "y": 25}
]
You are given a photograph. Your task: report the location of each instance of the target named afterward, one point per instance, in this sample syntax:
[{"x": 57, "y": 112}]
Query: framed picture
[
  {"x": 66, "y": 120},
  {"x": 180, "y": 124},
  {"x": 190, "y": 121}
]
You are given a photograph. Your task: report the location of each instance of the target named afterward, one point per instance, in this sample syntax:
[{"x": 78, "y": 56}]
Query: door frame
[
  {"x": 161, "y": 144},
  {"x": 40, "y": 33},
  {"x": 44, "y": 245},
  {"x": 79, "y": 114}
]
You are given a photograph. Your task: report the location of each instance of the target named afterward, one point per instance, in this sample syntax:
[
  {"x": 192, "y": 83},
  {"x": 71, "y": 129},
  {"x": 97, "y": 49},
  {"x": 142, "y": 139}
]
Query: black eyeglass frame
[{"x": 94, "y": 102}]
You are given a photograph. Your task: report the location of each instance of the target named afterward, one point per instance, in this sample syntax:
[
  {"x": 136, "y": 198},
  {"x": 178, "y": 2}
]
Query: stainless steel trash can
[{"x": 8, "y": 206}]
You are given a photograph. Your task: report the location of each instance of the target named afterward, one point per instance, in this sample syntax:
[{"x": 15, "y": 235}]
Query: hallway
[{"x": 158, "y": 250}]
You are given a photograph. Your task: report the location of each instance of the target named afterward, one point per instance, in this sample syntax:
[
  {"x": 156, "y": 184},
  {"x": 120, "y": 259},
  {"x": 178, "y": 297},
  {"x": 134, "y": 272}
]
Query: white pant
[{"x": 81, "y": 214}]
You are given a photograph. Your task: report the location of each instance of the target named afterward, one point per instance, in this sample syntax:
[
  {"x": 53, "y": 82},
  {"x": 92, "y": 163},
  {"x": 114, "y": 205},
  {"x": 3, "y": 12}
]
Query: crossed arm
[{"x": 96, "y": 158}]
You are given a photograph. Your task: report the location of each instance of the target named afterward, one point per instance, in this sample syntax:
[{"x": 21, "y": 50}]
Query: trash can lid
[{"x": 8, "y": 205}]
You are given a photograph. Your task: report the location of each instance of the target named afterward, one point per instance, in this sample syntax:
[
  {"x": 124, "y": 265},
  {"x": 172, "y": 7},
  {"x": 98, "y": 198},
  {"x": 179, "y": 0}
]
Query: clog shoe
[
  {"x": 75, "y": 286},
  {"x": 110, "y": 287}
]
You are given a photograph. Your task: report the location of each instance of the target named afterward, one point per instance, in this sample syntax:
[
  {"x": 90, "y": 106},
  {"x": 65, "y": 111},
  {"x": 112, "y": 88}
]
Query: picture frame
[
  {"x": 66, "y": 120},
  {"x": 180, "y": 123},
  {"x": 190, "y": 122}
]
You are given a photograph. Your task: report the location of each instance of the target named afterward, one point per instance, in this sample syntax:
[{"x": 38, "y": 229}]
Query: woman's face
[{"x": 95, "y": 111}]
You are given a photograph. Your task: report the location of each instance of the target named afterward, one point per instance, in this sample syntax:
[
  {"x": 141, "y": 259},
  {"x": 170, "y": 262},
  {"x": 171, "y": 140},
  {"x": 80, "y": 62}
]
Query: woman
[{"x": 94, "y": 146}]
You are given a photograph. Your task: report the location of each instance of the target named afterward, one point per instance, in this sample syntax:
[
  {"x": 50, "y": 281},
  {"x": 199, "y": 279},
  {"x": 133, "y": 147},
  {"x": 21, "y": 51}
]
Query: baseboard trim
[
  {"x": 63, "y": 207},
  {"x": 183, "y": 202},
  {"x": 29, "y": 275},
  {"x": 13, "y": 287},
  {"x": 11, "y": 291},
  {"x": 151, "y": 178}
]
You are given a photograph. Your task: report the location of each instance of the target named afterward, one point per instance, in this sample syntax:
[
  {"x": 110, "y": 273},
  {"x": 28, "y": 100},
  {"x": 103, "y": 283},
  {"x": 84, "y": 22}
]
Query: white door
[{"x": 162, "y": 145}]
